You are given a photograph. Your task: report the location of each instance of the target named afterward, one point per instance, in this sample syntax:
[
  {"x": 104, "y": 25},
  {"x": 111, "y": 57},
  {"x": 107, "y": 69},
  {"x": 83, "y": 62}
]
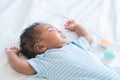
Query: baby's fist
[
  {"x": 12, "y": 50},
  {"x": 70, "y": 25}
]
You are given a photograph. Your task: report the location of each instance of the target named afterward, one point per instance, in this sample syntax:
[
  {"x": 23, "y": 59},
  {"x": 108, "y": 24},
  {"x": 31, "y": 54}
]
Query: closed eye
[{"x": 52, "y": 29}]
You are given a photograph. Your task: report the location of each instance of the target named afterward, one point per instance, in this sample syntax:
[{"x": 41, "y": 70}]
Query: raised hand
[
  {"x": 79, "y": 29},
  {"x": 71, "y": 25},
  {"x": 12, "y": 50}
]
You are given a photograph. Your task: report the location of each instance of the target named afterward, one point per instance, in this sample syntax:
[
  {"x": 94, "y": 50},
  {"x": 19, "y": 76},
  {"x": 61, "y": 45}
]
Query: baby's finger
[
  {"x": 11, "y": 48},
  {"x": 65, "y": 26},
  {"x": 14, "y": 47},
  {"x": 72, "y": 21},
  {"x": 67, "y": 23},
  {"x": 6, "y": 49}
]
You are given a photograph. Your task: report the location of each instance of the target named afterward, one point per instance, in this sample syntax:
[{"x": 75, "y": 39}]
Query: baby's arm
[
  {"x": 79, "y": 29},
  {"x": 16, "y": 63}
]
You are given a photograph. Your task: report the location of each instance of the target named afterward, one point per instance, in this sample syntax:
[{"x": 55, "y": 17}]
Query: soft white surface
[{"x": 99, "y": 15}]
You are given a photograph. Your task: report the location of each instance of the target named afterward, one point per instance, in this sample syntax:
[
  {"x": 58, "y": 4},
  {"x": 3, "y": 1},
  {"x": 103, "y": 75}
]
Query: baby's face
[{"x": 51, "y": 37}]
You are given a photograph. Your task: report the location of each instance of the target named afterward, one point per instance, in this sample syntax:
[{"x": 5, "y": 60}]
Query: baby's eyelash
[{"x": 52, "y": 29}]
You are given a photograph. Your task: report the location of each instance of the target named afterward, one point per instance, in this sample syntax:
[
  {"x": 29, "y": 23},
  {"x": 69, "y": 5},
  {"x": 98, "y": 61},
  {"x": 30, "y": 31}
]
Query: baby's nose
[{"x": 59, "y": 31}]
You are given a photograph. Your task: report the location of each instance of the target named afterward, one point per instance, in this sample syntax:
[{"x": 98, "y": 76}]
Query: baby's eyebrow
[{"x": 50, "y": 27}]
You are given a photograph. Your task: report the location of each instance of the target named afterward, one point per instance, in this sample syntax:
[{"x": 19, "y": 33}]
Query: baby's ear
[{"x": 39, "y": 48}]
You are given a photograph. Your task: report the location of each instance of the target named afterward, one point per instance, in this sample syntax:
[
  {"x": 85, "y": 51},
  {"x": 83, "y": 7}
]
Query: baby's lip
[{"x": 63, "y": 35}]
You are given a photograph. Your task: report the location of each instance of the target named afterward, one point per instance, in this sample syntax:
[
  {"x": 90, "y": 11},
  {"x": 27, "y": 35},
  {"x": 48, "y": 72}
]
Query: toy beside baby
[{"x": 110, "y": 50}]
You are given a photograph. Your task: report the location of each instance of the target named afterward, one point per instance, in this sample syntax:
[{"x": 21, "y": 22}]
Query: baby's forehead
[{"x": 43, "y": 26}]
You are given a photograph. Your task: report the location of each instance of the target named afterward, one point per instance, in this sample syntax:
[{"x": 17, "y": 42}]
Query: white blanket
[{"x": 102, "y": 16}]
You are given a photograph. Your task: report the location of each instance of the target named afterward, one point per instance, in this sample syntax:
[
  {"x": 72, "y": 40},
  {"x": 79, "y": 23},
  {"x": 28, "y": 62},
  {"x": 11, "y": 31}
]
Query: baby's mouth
[{"x": 63, "y": 35}]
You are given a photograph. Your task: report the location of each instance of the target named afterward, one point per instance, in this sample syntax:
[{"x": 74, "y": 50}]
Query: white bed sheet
[{"x": 102, "y": 16}]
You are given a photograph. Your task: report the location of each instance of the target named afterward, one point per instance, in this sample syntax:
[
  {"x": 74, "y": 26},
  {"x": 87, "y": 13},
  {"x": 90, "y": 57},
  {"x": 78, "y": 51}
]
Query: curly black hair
[{"x": 28, "y": 39}]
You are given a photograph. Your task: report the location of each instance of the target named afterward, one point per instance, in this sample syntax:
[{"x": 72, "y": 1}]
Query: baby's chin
[{"x": 65, "y": 42}]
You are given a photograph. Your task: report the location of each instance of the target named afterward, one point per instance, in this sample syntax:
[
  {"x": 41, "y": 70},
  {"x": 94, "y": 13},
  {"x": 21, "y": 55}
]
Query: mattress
[{"x": 100, "y": 17}]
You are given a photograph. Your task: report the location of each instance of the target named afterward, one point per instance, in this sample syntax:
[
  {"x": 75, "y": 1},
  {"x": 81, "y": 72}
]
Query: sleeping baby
[{"x": 51, "y": 55}]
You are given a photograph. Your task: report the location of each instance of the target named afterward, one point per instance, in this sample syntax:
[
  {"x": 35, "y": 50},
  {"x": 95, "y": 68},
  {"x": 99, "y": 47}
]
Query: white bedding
[{"x": 102, "y": 16}]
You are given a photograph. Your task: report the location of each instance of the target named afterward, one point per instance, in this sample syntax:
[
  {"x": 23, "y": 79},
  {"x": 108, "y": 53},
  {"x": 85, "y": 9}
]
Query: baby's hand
[
  {"x": 12, "y": 50},
  {"x": 71, "y": 25}
]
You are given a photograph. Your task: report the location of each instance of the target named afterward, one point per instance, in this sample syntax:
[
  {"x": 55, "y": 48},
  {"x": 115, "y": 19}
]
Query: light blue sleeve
[
  {"x": 82, "y": 43},
  {"x": 39, "y": 65}
]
